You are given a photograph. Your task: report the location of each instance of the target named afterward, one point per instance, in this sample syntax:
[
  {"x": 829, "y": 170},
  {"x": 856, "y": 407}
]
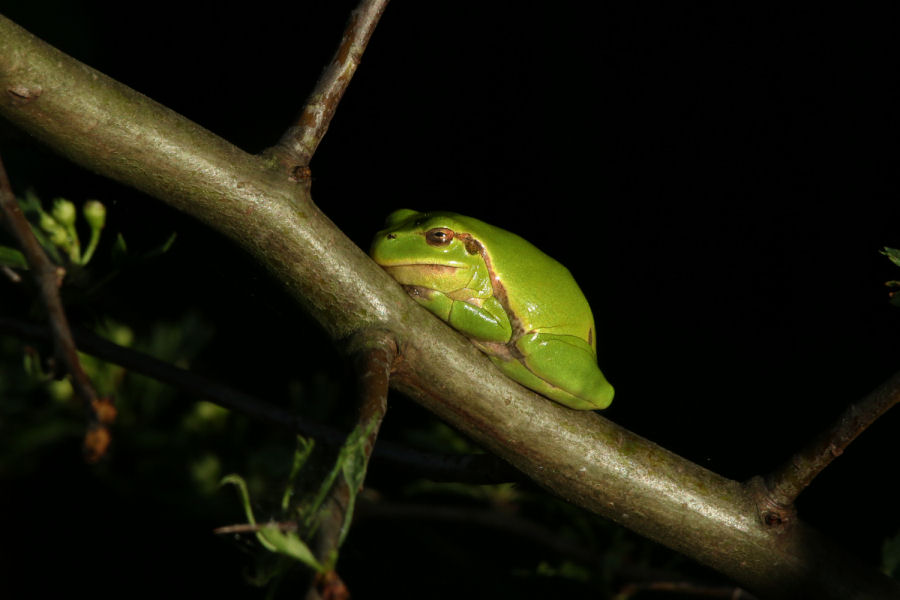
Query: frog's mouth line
[{"x": 421, "y": 269}]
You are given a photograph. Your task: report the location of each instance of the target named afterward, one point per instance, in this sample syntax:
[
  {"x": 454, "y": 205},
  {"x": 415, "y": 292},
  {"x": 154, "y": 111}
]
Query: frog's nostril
[{"x": 391, "y": 236}]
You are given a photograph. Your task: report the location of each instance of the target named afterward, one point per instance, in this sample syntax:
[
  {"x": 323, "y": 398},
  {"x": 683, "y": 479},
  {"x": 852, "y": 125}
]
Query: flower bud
[
  {"x": 54, "y": 230},
  {"x": 94, "y": 214},
  {"x": 64, "y": 212}
]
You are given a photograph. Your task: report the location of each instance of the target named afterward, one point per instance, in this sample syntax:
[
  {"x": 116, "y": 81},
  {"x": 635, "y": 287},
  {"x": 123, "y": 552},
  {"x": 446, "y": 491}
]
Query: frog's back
[{"x": 540, "y": 291}]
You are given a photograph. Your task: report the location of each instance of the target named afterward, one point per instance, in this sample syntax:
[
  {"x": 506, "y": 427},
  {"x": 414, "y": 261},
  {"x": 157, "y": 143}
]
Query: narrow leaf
[
  {"x": 241, "y": 485},
  {"x": 288, "y": 544},
  {"x": 301, "y": 454},
  {"x": 893, "y": 254},
  {"x": 10, "y": 257}
]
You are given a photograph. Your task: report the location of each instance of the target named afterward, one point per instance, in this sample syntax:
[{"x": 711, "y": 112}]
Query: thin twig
[
  {"x": 253, "y": 528},
  {"x": 686, "y": 588},
  {"x": 785, "y": 483},
  {"x": 10, "y": 274},
  {"x": 100, "y": 412},
  {"x": 487, "y": 518},
  {"x": 298, "y": 144},
  {"x": 548, "y": 538},
  {"x": 465, "y": 468}
]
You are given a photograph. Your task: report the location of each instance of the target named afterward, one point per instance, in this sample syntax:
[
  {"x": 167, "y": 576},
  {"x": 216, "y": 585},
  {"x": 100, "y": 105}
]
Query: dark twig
[
  {"x": 373, "y": 360},
  {"x": 785, "y": 483},
  {"x": 298, "y": 144},
  {"x": 253, "y": 528},
  {"x": 547, "y": 538},
  {"x": 686, "y": 588},
  {"x": 47, "y": 276},
  {"x": 465, "y": 468},
  {"x": 486, "y": 518},
  {"x": 10, "y": 274}
]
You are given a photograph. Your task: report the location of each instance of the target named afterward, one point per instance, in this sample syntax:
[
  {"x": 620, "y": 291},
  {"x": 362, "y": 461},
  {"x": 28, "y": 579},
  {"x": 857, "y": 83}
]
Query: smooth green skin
[{"x": 515, "y": 303}]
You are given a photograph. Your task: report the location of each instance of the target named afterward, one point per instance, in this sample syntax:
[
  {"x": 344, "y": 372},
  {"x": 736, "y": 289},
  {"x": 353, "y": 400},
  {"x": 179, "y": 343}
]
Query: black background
[{"x": 719, "y": 179}]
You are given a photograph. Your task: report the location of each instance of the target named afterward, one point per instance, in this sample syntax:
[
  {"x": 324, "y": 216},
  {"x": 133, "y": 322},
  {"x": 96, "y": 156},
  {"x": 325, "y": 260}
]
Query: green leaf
[
  {"x": 289, "y": 544},
  {"x": 10, "y": 257},
  {"x": 238, "y": 481},
  {"x": 893, "y": 254},
  {"x": 270, "y": 536},
  {"x": 351, "y": 465},
  {"x": 119, "y": 249},
  {"x": 890, "y": 556},
  {"x": 301, "y": 454},
  {"x": 45, "y": 243},
  {"x": 353, "y": 461},
  {"x": 162, "y": 248}
]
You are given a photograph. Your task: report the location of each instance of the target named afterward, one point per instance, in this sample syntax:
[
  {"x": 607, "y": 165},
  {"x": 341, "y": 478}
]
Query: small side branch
[
  {"x": 789, "y": 480},
  {"x": 48, "y": 276},
  {"x": 254, "y": 527},
  {"x": 373, "y": 358},
  {"x": 298, "y": 144}
]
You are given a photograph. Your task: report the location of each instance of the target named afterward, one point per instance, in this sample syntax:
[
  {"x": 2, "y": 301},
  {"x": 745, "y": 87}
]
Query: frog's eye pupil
[{"x": 439, "y": 236}]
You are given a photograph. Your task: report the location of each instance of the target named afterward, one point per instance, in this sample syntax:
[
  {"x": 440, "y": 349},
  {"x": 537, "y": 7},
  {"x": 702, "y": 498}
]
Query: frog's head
[{"x": 432, "y": 250}]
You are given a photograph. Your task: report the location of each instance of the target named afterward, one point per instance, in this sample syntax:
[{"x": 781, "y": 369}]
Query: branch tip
[{"x": 298, "y": 144}]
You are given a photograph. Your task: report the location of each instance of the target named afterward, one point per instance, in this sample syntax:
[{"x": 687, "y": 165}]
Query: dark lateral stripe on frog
[{"x": 499, "y": 293}]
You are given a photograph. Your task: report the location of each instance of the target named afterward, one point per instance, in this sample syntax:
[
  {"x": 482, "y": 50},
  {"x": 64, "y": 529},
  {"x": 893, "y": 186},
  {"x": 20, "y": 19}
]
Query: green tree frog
[{"x": 516, "y": 304}]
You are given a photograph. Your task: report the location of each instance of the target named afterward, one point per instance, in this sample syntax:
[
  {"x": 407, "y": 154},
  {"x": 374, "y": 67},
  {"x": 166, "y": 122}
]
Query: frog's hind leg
[{"x": 563, "y": 368}]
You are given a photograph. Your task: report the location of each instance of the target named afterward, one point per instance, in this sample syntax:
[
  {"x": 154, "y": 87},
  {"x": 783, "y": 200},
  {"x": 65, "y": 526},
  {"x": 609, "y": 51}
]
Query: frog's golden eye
[{"x": 439, "y": 236}]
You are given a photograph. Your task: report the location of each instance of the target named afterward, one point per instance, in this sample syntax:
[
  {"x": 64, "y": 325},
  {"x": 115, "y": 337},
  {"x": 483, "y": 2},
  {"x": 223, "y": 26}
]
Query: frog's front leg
[
  {"x": 479, "y": 318},
  {"x": 562, "y": 367}
]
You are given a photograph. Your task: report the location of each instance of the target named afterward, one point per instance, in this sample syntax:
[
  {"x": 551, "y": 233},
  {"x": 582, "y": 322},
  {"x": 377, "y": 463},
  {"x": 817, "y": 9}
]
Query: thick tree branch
[
  {"x": 580, "y": 456},
  {"x": 298, "y": 144},
  {"x": 47, "y": 276}
]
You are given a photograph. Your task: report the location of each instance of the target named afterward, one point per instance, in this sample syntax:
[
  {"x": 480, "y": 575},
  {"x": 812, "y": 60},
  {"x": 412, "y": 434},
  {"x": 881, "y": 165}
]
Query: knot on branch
[
  {"x": 301, "y": 174},
  {"x": 773, "y": 515},
  {"x": 23, "y": 94}
]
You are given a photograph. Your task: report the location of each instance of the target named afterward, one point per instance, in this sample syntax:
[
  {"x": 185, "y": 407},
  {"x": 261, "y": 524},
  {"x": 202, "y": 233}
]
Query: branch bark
[{"x": 580, "y": 456}]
